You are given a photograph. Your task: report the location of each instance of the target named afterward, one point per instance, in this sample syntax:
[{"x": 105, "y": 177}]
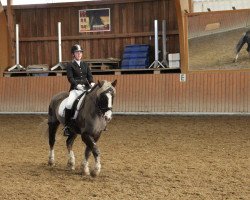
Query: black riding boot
[{"x": 67, "y": 131}]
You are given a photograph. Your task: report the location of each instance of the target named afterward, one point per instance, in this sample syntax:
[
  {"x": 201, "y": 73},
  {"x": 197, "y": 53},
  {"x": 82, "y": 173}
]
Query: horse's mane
[{"x": 105, "y": 86}]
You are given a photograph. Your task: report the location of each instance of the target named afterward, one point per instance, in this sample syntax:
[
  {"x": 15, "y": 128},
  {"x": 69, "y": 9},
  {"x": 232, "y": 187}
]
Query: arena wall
[
  {"x": 227, "y": 92},
  {"x": 201, "y": 24},
  {"x": 209, "y": 92},
  {"x": 216, "y": 5}
]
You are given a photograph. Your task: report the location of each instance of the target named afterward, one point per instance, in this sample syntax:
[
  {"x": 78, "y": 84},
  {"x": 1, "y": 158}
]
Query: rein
[
  {"x": 87, "y": 93},
  {"x": 96, "y": 100}
]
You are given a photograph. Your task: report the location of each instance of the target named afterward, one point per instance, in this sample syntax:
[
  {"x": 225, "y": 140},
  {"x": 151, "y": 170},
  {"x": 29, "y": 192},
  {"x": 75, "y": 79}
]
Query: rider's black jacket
[{"x": 78, "y": 74}]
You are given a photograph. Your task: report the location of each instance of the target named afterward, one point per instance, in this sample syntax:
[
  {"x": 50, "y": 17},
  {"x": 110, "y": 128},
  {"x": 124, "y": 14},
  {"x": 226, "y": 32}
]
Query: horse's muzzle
[{"x": 108, "y": 115}]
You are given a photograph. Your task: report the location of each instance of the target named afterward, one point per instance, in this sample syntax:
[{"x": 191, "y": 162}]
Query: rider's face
[{"x": 78, "y": 55}]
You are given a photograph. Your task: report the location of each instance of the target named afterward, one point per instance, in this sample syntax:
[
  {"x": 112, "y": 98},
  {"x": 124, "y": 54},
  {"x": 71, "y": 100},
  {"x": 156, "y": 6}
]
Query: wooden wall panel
[
  {"x": 227, "y": 92},
  {"x": 132, "y": 22}
]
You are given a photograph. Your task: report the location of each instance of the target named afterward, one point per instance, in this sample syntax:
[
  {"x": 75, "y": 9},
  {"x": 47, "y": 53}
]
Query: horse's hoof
[
  {"x": 85, "y": 171},
  {"x": 71, "y": 166},
  {"x": 51, "y": 163},
  {"x": 95, "y": 173}
]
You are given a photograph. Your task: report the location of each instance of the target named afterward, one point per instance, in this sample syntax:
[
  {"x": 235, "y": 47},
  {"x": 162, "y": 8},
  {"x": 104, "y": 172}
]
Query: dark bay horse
[
  {"x": 245, "y": 39},
  {"x": 94, "y": 113}
]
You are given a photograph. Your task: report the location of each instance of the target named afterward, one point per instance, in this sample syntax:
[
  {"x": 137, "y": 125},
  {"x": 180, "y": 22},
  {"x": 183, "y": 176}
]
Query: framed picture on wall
[{"x": 94, "y": 20}]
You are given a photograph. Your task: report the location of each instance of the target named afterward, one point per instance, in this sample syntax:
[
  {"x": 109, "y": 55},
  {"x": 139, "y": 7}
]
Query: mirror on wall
[{"x": 213, "y": 38}]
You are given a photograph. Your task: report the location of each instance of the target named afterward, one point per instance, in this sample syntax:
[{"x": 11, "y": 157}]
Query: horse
[
  {"x": 245, "y": 38},
  {"x": 94, "y": 113}
]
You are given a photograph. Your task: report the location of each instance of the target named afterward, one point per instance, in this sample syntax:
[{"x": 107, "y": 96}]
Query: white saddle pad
[{"x": 61, "y": 110}]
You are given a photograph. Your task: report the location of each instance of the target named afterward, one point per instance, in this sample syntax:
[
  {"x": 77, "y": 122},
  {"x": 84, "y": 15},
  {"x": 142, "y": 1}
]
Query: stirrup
[{"x": 66, "y": 131}]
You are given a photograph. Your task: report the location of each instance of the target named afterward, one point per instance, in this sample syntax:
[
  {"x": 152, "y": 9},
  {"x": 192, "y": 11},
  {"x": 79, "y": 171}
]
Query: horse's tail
[
  {"x": 248, "y": 33},
  {"x": 52, "y": 127},
  {"x": 240, "y": 44},
  {"x": 54, "y": 104}
]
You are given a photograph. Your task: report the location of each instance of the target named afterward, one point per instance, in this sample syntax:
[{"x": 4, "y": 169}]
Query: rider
[{"x": 80, "y": 78}]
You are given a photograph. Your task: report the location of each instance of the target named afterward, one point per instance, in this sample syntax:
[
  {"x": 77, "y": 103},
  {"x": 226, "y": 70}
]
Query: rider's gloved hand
[
  {"x": 80, "y": 87},
  {"x": 92, "y": 84}
]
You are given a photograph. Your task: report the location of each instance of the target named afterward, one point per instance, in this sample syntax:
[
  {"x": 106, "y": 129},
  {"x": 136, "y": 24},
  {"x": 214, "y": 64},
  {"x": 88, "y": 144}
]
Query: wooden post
[
  {"x": 190, "y": 5},
  {"x": 183, "y": 36},
  {"x": 3, "y": 41},
  {"x": 11, "y": 33}
]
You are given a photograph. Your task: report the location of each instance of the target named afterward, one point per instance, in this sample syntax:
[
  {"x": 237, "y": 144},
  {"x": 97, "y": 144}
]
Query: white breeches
[{"x": 73, "y": 94}]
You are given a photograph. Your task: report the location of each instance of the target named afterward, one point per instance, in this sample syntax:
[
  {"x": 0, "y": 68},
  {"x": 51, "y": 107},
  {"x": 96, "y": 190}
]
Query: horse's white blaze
[
  {"x": 108, "y": 114},
  {"x": 109, "y": 100}
]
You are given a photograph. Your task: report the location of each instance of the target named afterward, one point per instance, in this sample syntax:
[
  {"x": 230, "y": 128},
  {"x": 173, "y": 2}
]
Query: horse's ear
[{"x": 114, "y": 83}]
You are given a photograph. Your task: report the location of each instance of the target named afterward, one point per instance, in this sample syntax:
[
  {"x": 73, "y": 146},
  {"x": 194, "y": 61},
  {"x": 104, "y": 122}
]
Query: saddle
[
  {"x": 75, "y": 107},
  {"x": 75, "y": 103}
]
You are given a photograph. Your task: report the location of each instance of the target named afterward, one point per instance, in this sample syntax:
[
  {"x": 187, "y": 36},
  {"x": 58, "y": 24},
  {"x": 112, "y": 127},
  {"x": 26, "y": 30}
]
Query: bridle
[
  {"x": 99, "y": 102},
  {"x": 97, "y": 95}
]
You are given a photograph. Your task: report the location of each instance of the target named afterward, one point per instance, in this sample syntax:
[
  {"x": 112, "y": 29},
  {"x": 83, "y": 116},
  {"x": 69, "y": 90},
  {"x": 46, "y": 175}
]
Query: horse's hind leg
[
  {"x": 52, "y": 137},
  {"x": 69, "y": 142},
  {"x": 91, "y": 144}
]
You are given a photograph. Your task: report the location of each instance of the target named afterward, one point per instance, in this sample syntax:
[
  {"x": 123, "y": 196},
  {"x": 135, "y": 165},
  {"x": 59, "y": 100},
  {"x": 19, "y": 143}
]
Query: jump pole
[
  {"x": 164, "y": 47},
  {"x": 59, "y": 64},
  {"x": 59, "y": 42},
  {"x": 156, "y": 62},
  {"x": 17, "y": 65}
]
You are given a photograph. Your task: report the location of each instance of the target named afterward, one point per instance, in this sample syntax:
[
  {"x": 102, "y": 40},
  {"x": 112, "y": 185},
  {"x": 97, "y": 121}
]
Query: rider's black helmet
[{"x": 75, "y": 48}]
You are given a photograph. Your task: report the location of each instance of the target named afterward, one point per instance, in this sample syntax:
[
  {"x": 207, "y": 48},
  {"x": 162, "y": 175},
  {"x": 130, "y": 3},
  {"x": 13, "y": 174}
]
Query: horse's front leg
[
  {"x": 91, "y": 144},
  {"x": 85, "y": 163},
  {"x": 69, "y": 142},
  {"x": 97, "y": 168}
]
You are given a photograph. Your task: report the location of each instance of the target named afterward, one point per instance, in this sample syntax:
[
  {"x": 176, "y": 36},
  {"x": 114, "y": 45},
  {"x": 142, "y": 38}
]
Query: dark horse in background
[
  {"x": 244, "y": 39},
  {"x": 94, "y": 113}
]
